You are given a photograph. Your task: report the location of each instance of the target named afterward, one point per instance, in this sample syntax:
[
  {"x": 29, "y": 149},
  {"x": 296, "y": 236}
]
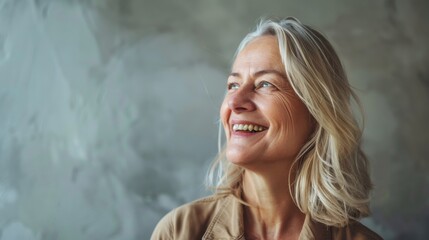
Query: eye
[
  {"x": 264, "y": 84},
  {"x": 233, "y": 86}
]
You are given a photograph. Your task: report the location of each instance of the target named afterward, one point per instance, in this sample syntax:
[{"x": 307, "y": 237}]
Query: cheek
[
  {"x": 290, "y": 116},
  {"x": 301, "y": 119},
  {"x": 225, "y": 113},
  {"x": 282, "y": 112}
]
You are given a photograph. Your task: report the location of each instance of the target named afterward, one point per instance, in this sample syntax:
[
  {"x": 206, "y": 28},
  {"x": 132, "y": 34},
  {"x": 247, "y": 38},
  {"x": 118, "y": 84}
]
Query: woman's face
[{"x": 264, "y": 120}]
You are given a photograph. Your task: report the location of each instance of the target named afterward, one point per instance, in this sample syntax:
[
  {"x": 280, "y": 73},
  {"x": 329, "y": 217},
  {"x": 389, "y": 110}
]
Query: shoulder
[
  {"x": 188, "y": 221},
  {"x": 355, "y": 231}
]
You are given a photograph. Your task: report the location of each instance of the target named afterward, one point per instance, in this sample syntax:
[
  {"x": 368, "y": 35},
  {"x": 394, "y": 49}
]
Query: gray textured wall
[{"x": 108, "y": 108}]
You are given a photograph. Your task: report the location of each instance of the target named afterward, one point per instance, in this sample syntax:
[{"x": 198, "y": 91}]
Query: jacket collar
[
  {"x": 227, "y": 223},
  {"x": 320, "y": 231}
]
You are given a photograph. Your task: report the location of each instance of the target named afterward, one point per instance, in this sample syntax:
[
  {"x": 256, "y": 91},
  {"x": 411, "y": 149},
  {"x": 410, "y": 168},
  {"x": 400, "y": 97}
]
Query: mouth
[{"x": 248, "y": 128}]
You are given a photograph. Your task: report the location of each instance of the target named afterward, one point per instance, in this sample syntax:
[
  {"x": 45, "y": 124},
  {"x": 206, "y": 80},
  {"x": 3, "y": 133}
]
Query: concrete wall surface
[{"x": 109, "y": 108}]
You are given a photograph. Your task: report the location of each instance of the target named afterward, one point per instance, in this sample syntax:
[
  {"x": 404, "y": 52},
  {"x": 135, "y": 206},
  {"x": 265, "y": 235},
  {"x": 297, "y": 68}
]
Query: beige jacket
[{"x": 218, "y": 218}]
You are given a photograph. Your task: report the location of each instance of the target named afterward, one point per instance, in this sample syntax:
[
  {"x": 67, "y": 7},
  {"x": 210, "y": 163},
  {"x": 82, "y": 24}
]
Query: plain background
[{"x": 109, "y": 108}]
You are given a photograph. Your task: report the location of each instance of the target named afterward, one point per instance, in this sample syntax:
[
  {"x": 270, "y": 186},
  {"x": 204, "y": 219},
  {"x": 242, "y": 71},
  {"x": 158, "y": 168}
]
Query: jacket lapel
[
  {"x": 320, "y": 231},
  {"x": 227, "y": 223}
]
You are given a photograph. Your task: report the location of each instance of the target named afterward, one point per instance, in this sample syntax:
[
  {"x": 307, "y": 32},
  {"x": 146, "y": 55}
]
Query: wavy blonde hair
[{"x": 332, "y": 181}]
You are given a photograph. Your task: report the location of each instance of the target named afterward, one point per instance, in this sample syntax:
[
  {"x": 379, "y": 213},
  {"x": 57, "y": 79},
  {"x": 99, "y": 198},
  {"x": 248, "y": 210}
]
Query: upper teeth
[{"x": 247, "y": 127}]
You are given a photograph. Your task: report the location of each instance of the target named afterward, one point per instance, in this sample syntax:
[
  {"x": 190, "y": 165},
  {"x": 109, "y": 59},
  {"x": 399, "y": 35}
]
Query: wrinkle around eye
[{"x": 286, "y": 87}]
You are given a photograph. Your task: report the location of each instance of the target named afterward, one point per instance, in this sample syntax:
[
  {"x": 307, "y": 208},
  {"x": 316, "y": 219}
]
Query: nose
[{"x": 241, "y": 101}]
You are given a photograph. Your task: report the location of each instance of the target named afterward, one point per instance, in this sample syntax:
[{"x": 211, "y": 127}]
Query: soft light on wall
[{"x": 109, "y": 109}]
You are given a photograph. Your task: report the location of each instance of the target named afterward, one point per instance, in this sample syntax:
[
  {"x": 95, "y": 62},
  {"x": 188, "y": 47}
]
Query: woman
[{"x": 292, "y": 167}]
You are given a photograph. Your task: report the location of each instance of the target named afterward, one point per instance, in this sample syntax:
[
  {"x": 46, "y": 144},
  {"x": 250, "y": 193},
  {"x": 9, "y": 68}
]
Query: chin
[
  {"x": 237, "y": 159},
  {"x": 242, "y": 160}
]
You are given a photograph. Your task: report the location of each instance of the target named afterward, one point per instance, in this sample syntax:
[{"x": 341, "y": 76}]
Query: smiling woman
[
  {"x": 292, "y": 166},
  {"x": 259, "y": 94}
]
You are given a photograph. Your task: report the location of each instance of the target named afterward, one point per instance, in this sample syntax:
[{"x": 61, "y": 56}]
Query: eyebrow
[{"x": 260, "y": 73}]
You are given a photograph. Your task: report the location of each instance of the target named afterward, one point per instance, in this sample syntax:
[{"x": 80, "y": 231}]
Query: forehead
[{"x": 260, "y": 54}]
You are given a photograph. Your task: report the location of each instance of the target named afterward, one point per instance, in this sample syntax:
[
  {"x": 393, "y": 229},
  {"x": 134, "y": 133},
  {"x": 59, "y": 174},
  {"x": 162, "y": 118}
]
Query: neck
[{"x": 273, "y": 214}]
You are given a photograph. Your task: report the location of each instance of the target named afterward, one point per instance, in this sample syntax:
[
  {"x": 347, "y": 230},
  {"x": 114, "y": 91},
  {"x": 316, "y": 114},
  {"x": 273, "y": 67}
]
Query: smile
[{"x": 247, "y": 127}]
